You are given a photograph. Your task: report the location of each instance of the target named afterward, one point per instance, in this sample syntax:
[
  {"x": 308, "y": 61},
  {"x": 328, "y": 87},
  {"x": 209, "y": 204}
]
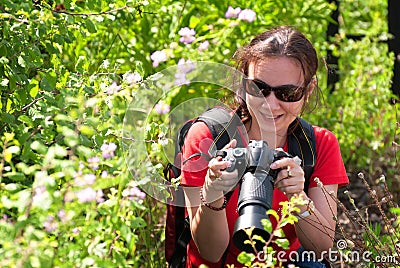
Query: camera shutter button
[{"x": 238, "y": 152}]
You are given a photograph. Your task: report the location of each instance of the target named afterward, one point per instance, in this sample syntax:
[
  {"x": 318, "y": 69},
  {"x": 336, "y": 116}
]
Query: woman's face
[{"x": 270, "y": 114}]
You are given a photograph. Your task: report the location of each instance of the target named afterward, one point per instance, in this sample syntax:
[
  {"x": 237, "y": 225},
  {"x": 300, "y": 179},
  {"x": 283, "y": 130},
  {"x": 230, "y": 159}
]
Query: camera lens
[{"x": 255, "y": 196}]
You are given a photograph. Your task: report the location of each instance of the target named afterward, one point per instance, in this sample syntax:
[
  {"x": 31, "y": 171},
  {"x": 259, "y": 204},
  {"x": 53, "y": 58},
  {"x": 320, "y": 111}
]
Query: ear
[{"x": 310, "y": 88}]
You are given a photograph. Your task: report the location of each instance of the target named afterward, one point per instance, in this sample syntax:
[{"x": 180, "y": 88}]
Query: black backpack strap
[
  {"x": 223, "y": 126},
  {"x": 301, "y": 143},
  {"x": 178, "y": 259}
]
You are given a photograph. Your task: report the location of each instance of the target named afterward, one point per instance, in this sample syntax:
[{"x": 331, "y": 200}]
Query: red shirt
[{"x": 329, "y": 168}]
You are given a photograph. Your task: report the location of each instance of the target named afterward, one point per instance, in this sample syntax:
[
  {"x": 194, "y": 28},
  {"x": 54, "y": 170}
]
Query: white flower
[
  {"x": 157, "y": 57},
  {"x": 162, "y": 108},
  {"x": 132, "y": 78},
  {"x": 247, "y": 15},
  {"x": 185, "y": 66},
  {"x": 113, "y": 88},
  {"x": 180, "y": 79},
  {"x": 187, "y": 35},
  {"x": 232, "y": 12},
  {"x": 203, "y": 46}
]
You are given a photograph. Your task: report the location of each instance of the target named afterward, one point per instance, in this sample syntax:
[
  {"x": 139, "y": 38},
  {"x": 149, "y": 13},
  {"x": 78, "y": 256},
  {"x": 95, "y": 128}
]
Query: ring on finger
[
  {"x": 289, "y": 174},
  {"x": 212, "y": 175}
]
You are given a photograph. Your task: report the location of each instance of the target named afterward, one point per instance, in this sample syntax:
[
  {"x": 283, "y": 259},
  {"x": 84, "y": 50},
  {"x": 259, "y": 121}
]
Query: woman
[{"x": 282, "y": 63}]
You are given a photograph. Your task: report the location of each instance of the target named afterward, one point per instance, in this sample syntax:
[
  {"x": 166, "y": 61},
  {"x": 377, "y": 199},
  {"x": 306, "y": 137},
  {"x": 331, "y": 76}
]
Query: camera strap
[{"x": 301, "y": 143}]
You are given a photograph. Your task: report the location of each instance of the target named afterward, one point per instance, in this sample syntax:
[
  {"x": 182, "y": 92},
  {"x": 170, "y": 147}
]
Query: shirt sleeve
[
  {"x": 329, "y": 167},
  {"x": 198, "y": 140}
]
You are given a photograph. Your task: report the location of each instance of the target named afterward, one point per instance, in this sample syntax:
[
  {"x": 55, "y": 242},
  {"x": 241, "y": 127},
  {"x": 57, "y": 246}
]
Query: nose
[{"x": 272, "y": 101}]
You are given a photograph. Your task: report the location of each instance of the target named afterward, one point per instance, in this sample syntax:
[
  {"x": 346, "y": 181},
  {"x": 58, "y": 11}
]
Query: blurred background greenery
[{"x": 69, "y": 69}]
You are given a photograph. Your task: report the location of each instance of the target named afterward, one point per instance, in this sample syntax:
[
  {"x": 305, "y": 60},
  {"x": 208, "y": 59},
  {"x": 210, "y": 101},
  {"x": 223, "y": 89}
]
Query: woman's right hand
[{"x": 219, "y": 181}]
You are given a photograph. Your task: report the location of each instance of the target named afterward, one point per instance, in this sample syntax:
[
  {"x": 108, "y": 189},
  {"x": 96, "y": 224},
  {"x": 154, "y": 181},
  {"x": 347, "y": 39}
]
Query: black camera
[{"x": 256, "y": 188}]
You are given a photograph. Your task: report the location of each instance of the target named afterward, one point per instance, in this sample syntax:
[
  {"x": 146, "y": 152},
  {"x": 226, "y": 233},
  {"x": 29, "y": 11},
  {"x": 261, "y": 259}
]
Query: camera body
[
  {"x": 256, "y": 188},
  {"x": 255, "y": 157}
]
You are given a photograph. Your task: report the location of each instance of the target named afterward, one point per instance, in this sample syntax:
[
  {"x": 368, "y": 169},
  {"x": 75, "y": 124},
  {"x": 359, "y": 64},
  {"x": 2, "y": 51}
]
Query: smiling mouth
[{"x": 274, "y": 117}]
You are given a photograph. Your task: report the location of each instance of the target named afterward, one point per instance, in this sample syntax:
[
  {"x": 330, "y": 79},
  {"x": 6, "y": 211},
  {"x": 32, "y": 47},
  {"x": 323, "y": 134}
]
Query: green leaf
[
  {"x": 10, "y": 151},
  {"x": 266, "y": 223},
  {"x": 90, "y": 26},
  {"x": 8, "y": 118},
  {"x": 87, "y": 130},
  {"x": 39, "y": 147},
  {"x": 15, "y": 176},
  {"x": 245, "y": 258},
  {"x": 49, "y": 81},
  {"x": 193, "y": 22},
  {"x": 282, "y": 242},
  {"x": 259, "y": 238},
  {"x": 33, "y": 88},
  {"x": 273, "y": 213},
  {"x": 279, "y": 233},
  {"x": 26, "y": 119}
]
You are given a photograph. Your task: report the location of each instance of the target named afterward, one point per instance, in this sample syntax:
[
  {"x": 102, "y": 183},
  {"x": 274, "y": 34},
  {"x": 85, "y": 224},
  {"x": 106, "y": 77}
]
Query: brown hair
[{"x": 280, "y": 41}]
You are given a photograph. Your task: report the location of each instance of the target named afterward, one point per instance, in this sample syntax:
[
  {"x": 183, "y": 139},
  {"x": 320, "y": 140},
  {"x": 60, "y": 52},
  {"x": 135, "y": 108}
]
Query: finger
[
  {"x": 224, "y": 185},
  {"x": 291, "y": 189},
  {"x": 231, "y": 144},
  {"x": 297, "y": 182},
  {"x": 284, "y": 163},
  {"x": 230, "y": 175},
  {"x": 218, "y": 165},
  {"x": 281, "y": 175},
  {"x": 226, "y": 181},
  {"x": 212, "y": 174}
]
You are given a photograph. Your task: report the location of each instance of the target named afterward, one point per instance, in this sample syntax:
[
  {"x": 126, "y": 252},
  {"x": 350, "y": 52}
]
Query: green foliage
[
  {"x": 266, "y": 257},
  {"x": 359, "y": 110},
  {"x": 68, "y": 72}
]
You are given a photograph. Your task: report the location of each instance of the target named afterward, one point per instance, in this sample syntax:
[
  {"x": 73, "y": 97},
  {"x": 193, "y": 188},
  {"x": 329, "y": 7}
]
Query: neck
[{"x": 273, "y": 139}]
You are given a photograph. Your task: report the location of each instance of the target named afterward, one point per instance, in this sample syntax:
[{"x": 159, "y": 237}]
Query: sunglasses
[{"x": 286, "y": 93}]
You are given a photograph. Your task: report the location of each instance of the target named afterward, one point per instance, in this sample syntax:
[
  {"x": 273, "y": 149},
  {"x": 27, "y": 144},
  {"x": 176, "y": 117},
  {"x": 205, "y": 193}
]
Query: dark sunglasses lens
[
  {"x": 256, "y": 88},
  {"x": 289, "y": 93}
]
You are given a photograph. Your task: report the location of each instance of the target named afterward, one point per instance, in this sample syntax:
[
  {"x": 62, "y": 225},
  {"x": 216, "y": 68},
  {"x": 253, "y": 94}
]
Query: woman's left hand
[{"x": 290, "y": 179}]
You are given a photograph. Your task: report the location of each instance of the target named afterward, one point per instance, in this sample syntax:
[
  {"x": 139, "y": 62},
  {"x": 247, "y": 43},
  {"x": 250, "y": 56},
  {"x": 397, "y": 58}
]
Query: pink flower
[
  {"x": 185, "y": 66},
  {"x": 99, "y": 196},
  {"x": 162, "y": 108},
  {"x": 134, "y": 193},
  {"x": 203, "y": 46},
  {"x": 83, "y": 180},
  {"x": 113, "y": 88},
  {"x": 62, "y": 215},
  {"x": 94, "y": 162},
  {"x": 187, "y": 35},
  {"x": 50, "y": 225},
  {"x": 180, "y": 79},
  {"x": 132, "y": 78},
  {"x": 232, "y": 12},
  {"x": 108, "y": 149},
  {"x": 157, "y": 57},
  {"x": 69, "y": 196},
  {"x": 86, "y": 195},
  {"x": 247, "y": 15}
]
